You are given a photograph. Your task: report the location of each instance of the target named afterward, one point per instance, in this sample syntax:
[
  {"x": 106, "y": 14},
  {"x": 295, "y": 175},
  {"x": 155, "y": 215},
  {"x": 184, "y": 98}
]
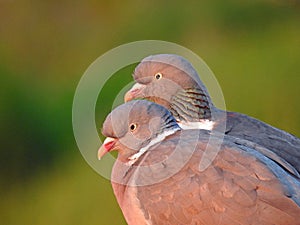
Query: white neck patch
[
  {"x": 203, "y": 124},
  {"x": 159, "y": 138}
]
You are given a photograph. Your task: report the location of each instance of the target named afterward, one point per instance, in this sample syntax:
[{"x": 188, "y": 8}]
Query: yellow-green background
[{"x": 253, "y": 47}]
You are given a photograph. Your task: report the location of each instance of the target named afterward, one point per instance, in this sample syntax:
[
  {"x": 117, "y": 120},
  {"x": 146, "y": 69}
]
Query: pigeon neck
[
  {"x": 203, "y": 124},
  {"x": 191, "y": 105},
  {"x": 154, "y": 141}
]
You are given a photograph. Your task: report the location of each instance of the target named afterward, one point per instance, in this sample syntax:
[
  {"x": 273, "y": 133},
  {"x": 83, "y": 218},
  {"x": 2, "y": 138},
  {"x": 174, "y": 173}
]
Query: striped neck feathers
[{"x": 191, "y": 105}]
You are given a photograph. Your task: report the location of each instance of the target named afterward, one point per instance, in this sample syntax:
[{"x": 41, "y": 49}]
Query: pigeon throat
[
  {"x": 133, "y": 158},
  {"x": 191, "y": 106}
]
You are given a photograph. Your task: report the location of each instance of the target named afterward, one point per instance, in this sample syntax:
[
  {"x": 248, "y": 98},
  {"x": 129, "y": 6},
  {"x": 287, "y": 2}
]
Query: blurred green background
[{"x": 253, "y": 47}]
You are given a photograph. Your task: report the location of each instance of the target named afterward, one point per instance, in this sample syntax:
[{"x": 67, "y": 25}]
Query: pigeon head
[
  {"x": 170, "y": 80},
  {"x": 159, "y": 77},
  {"x": 133, "y": 125}
]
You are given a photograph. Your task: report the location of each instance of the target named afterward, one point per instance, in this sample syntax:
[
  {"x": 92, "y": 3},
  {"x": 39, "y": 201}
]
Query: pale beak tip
[
  {"x": 107, "y": 146},
  {"x": 136, "y": 91},
  {"x": 101, "y": 152},
  {"x": 128, "y": 96}
]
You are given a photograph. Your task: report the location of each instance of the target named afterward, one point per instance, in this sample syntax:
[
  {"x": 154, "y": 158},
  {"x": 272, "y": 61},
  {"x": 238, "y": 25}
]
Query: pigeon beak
[
  {"x": 134, "y": 92},
  {"x": 106, "y": 147}
]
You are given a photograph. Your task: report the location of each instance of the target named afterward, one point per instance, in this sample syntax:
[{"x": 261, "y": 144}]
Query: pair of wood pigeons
[{"x": 181, "y": 160}]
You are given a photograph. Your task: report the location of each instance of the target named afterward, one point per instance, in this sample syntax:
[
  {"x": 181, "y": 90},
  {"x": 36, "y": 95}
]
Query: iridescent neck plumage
[
  {"x": 132, "y": 159},
  {"x": 191, "y": 105}
]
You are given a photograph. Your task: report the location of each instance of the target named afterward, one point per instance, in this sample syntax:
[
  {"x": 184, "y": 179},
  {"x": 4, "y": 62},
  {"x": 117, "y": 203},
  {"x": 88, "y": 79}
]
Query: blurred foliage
[{"x": 45, "y": 46}]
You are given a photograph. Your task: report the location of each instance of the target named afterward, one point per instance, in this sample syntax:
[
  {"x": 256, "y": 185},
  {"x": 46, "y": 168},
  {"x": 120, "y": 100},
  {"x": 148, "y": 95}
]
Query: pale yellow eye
[
  {"x": 158, "y": 76},
  {"x": 132, "y": 127}
]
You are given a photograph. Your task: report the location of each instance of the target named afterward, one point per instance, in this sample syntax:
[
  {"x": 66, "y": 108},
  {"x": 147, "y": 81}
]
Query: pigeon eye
[
  {"x": 132, "y": 127},
  {"x": 158, "y": 76}
]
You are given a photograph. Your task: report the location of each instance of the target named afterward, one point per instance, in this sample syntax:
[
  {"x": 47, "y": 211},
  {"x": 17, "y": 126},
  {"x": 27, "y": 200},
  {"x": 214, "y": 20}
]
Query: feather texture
[
  {"x": 165, "y": 185},
  {"x": 183, "y": 93}
]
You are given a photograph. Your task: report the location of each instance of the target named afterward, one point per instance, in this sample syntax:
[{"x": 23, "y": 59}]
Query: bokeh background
[{"x": 253, "y": 47}]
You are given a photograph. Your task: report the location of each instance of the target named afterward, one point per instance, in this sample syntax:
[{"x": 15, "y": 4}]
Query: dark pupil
[
  {"x": 132, "y": 127},
  {"x": 157, "y": 76}
]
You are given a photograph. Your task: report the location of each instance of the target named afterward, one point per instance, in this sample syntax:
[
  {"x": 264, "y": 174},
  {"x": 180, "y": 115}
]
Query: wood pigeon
[
  {"x": 170, "y": 80},
  {"x": 156, "y": 177}
]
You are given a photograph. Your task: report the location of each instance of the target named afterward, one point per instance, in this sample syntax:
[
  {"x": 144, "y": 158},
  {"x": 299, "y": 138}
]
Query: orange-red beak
[
  {"x": 134, "y": 92},
  {"x": 107, "y": 146}
]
